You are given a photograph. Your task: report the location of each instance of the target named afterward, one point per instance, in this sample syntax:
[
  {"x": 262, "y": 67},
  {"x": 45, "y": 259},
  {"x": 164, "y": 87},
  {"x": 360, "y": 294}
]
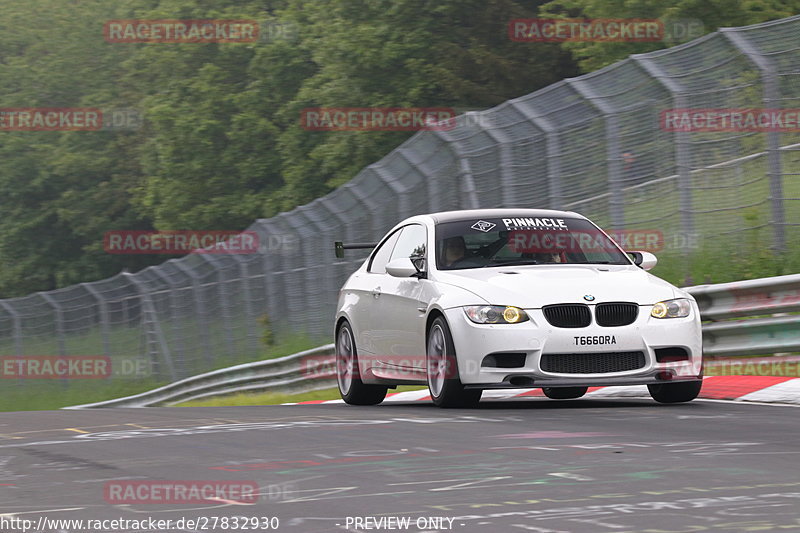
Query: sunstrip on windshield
[{"x": 535, "y": 223}]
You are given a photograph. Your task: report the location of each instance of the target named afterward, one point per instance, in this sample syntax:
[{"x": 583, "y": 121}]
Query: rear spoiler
[{"x": 341, "y": 247}]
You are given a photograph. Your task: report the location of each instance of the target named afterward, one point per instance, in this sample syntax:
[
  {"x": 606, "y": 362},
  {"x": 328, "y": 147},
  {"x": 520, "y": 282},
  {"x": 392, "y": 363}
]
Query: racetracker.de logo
[
  {"x": 603, "y": 30},
  {"x": 55, "y": 367},
  {"x": 730, "y": 119},
  {"x": 180, "y": 242},
  {"x": 181, "y": 31},
  {"x": 377, "y": 118},
  {"x": 175, "y": 491},
  {"x": 50, "y": 119}
]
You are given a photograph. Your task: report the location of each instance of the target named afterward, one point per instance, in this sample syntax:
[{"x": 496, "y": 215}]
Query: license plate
[{"x": 595, "y": 340}]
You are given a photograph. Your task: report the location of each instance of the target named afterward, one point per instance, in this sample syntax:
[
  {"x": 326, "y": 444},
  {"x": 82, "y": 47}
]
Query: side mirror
[
  {"x": 644, "y": 260},
  {"x": 402, "y": 267}
]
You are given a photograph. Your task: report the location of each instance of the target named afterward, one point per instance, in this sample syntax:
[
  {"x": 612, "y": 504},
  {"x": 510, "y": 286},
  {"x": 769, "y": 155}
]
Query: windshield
[{"x": 523, "y": 241}]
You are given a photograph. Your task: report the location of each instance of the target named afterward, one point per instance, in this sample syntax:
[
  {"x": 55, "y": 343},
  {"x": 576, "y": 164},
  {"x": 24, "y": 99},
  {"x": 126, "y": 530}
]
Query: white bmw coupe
[{"x": 511, "y": 298}]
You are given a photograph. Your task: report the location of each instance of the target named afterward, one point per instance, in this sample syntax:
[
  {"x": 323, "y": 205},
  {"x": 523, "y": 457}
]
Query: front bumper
[{"x": 535, "y": 337}]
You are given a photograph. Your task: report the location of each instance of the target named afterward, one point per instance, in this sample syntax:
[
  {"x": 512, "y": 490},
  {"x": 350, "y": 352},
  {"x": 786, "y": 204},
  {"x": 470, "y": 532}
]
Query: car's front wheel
[
  {"x": 444, "y": 383},
  {"x": 353, "y": 390},
  {"x": 685, "y": 391},
  {"x": 564, "y": 393}
]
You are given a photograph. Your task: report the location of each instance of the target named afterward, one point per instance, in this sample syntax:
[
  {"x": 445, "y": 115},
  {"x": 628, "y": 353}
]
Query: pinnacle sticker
[
  {"x": 483, "y": 226},
  {"x": 535, "y": 223}
]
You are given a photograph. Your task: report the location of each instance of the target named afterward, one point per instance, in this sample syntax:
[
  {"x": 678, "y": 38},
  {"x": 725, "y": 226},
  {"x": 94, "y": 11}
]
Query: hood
[{"x": 534, "y": 286}]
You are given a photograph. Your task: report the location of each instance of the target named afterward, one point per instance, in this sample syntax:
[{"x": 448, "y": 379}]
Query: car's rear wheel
[
  {"x": 685, "y": 391},
  {"x": 444, "y": 383},
  {"x": 564, "y": 393},
  {"x": 348, "y": 377}
]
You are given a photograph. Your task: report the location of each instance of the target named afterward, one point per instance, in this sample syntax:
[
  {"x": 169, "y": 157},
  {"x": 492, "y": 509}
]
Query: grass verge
[{"x": 43, "y": 394}]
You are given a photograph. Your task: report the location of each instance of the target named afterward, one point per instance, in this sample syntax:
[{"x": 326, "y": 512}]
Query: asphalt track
[{"x": 589, "y": 465}]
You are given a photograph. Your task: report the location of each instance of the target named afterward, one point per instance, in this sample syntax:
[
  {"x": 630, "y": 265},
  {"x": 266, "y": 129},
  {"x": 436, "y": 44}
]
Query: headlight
[
  {"x": 671, "y": 308},
  {"x": 495, "y": 314}
]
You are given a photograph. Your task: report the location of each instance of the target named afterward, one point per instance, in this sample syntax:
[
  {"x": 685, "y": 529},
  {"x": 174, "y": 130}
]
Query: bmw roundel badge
[{"x": 588, "y": 298}]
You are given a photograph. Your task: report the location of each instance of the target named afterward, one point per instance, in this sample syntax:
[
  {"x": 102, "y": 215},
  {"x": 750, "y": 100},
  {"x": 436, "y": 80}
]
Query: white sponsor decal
[
  {"x": 535, "y": 223},
  {"x": 483, "y": 226}
]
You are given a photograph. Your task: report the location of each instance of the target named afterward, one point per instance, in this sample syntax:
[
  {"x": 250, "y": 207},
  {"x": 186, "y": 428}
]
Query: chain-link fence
[{"x": 595, "y": 144}]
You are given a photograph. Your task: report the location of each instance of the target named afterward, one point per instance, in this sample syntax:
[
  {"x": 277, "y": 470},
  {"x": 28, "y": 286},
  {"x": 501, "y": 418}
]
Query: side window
[
  {"x": 411, "y": 243},
  {"x": 381, "y": 256}
]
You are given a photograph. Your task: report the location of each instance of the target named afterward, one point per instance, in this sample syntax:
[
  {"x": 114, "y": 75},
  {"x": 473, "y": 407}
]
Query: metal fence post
[
  {"x": 104, "y": 319},
  {"x": 248, "y": 304},
  {"x": 147, "y": 308},
  {"x": 201, "y": 309},
  {"x": 682, "y": 150},
  {"x": 17, "y": 322},
  {"x": 772, "y": 97},
  {"x": 62, "y": 346},
  {"x": 224, "y": 301},
  {"x": 469, "y": 193},
  {"x": 553, "y": 148},
  {"x": 503, "y": 141},
  {"x": 616, "y": 201},
  {"x": 177, "y": 328}
]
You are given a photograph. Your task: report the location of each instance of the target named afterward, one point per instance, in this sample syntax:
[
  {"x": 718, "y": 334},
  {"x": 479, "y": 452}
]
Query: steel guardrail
[
  {"x": 740, "y": 318},
  {"x": 750, "y": 317},
  {"x": 304, "y": 371}
]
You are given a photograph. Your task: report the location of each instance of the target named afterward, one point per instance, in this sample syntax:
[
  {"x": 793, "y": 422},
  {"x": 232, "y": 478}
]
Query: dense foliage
[{"x": 220, "y": 143}]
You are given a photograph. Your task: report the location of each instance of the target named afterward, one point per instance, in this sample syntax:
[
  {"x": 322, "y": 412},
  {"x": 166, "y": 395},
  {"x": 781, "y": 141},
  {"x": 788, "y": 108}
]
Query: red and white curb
[{"x": 763, "y": 389}]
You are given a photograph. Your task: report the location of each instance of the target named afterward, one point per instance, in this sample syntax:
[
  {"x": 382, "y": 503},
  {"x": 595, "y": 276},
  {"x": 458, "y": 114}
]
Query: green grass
[
  {"x": 41, "y": 394},
  {"x": 734, "y": 244},
  {"x": 272, "y": 398}
]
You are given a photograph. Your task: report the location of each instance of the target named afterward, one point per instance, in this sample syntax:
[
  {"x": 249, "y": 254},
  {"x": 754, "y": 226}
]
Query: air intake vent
[
  {"x": 568, "y": 315},
  {"x": 592, "y": 363},
  {"x": 615, "y": 314}
]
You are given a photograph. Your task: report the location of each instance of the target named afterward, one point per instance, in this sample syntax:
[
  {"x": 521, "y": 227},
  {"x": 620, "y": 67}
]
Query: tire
[
  {"x": 564, "y": 393},
  {"x": 443, "y": 381},
  {"x": 675, "y": 392},
  {"x": 348, "y": 377}
]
